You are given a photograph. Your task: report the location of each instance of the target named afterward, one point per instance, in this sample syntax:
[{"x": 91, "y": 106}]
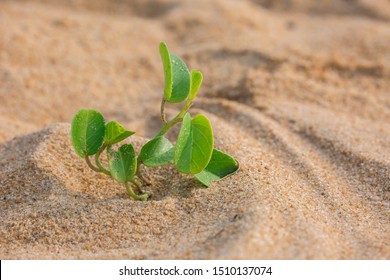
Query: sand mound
[
  {"x": 297, "y": 91},
  {"x": 55, "y": 206}
]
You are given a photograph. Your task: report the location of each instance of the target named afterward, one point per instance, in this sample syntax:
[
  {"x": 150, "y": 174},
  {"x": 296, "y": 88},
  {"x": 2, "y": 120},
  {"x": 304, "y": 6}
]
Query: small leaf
[
  {"x": 196, "y": 81},
  {"x": 166, "y": 60},
  {"x": 115, "y": 133},
  {"x": 176, "y": 74},
  {"x": 194, "y": 144},
  {"x": 158, "y": 151},
  {"x": 87, "y": 132},
  {"x": 122, "y": 163},
  {"x": 220, "y": 166},
  {"x": 180, "y": 80}
]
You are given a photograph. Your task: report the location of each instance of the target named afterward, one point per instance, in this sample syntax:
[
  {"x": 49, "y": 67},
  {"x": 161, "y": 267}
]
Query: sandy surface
[{"x": 297, "y": 91}]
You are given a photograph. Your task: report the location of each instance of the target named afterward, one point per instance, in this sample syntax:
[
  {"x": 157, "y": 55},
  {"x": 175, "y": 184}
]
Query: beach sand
[{"x": 297, "y": 91}]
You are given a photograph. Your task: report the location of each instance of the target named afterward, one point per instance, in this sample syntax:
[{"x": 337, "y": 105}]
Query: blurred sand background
[{"x": 297, "y": 90}]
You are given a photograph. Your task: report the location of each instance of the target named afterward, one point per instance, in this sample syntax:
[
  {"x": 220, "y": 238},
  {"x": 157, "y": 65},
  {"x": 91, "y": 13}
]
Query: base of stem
[{"x": 143, "y": 197}]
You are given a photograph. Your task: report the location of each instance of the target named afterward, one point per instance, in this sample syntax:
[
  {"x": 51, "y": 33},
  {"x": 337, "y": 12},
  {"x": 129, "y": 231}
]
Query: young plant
[{"x": 194, "y": 152}]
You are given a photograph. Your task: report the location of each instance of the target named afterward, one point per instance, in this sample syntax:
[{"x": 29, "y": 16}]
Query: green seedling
[{"x": 194, "y": 152}]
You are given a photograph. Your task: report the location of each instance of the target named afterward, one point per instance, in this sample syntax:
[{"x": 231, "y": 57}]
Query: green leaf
[
  {"x": 157, "y": 152},
  {"x": 196, "y": 81},
  {"x": 87, "y": 132},
  {"x": 166, "y": 60},
  {"x": 182, "y": 157},
  {"x": 220, "y": 166},
  {"x": 181, "y": 80},
  {"x": 194, "y": 144},
  {"x": 176, "y": 74},
  {"x": 115, "y": 133},
  {"x": 122, "y": 163}
]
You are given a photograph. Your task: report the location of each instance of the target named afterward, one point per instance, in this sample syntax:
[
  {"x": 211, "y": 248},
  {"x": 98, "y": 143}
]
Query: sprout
[{"x": 194, "y": 152}]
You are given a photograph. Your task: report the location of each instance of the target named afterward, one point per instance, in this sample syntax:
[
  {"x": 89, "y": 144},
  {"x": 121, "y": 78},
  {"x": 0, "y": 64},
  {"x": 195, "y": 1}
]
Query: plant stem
[
  {"x": 137, "y": 184},
  {"x": 162, "y": 111},
  {"x": 138, "y": 172},
  {"x": 97, "y": 160},
  {"x": 90, "y": 164},
  {"x": 176, "y": 119},
  {"x": 130, "y": 191}
]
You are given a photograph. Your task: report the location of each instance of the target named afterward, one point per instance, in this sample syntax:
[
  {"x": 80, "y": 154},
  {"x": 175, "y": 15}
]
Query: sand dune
[{"x": 297, "y": 91}]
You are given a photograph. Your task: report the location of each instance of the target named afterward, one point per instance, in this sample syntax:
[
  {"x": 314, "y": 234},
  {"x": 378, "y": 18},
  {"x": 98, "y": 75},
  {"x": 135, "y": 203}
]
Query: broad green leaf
[
  {"x": 176, "y": 74},
  {"x": 220, "y": 166},
  {"x": 166, "y": 60},
  {"x": 194, "y": 144},
  {"x": 157, "y": 152},
  {"x": 181, "y": 80},
  {"x": 203, "y": 143},
  {"x": 196, "y": 81},
  {"x": 115, "y": 133},
  {"x": 122, "y": 163},
  {"x": 87, "y": 132},
  {"x": 182, "y": 157}
]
